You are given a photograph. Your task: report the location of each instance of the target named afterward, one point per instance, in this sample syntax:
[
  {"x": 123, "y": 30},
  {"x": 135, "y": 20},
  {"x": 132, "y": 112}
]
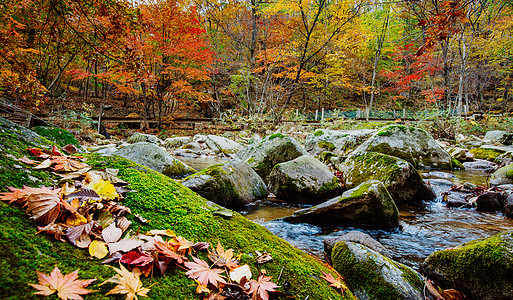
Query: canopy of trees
[{"x": 259, "y": 56}]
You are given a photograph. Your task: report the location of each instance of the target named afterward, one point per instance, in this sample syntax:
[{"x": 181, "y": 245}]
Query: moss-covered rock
[
  {"x": 233, "y": 184},
  {"x": 138, "y": 137},
  {"x": 303, "y": 180},
  {"x": 218, "y": 144},
  {"x": 486, "y": 153},
  {"x": 176, "y": 142},
  {"x": 412, "y": 144},
  {"x": 339, "y": 142},
  {"x": 168, "y": 205},
  {"x": 503, "y": 175},
  {"x": 401, "y": 179},
  {"x": 155, "y": 158},
  {"x": 371, "y": 275},
  {"x": 59, "y": 136},
  {"x": 369, "y": 205},
  {"x": 482, "y": 269},
  {"x": 262, "y": 156}
]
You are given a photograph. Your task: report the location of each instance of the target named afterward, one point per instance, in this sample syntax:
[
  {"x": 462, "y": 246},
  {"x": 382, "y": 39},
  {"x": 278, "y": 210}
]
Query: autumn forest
[{"x": 259, "y": 56}]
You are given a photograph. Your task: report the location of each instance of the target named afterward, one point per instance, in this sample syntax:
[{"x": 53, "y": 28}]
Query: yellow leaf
[
  {"x": 105, "y": 189},
  {"x": 98, "y": 249},
  {"x": 76, "y": 219},
  {"x": 127, "y": 283}
]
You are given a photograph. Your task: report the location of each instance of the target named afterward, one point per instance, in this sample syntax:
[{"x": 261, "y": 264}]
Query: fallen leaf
[
  {"x": 44, "y": 165},
  {"x": 123, "y": 223},
  {"x": 16, "y": 195},
  {"x": 262, "y": 258},
  {"x": 67, "y": 287},
  {"x": 337, "y": 283},
  {"x": 105, "y": 189},
  {"x": 127, "y": 283},
  {"x": 141, "y": 260},
  {"x": 200, "y": 246},
  {"x": 111, "y": 234},
  {"x": 66, "y": 164},
  {"x": 141, "y": 219},
  {"x": 77, "y": 234},
  {"x": 76, "y": 219},
  {"x": 201, "y": 288},
  {"x": 27, "y": 160},
  {"x": 44, "y": 207},
  {"x": 98, "y": 249},
  {"x": 38, "y": 152},
  {"x": 260, "y": 288},
  {"x": 166, "y": 232},
  {"x": 113, "y": 258},
  {"x": 241, "y": 272},
  {"x": 200, "y": 270},
  {"x": 55, "y": 151},
  {"x": 84, "y": 194},
  {"x": 70, "y": 149},
  {"x": 125, "y": 245},
  {"x": 58, "y": 231},
  {"x": 169, "y": 251},
  {"x": 223, "y": 258}
]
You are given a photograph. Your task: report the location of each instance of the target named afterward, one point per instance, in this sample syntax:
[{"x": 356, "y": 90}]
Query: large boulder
[
  {"x": 356, "y": 237},
  {"x": 143, "y": 137},
  {"x": 371, "y": 275},
  {"x": 482, "y": 269},
  {"x": 303, "y": 180},
  {"x": 336, "y": 141},
  {"x": 401, "y": 179},
  {"x": 218, "y": 144},
  {"x": 412, "y": 144},
  {"x": 176, "y": 142},
  {"x": 505, "y": 159},
  {"x": 231, "y": 185},
  {"x": 155, "y": 158},
  {"x": 22, "y": 134},
  {"x": 496, "y": 135},
  {"x": 502, "y": 176},
  {"x": 262, "y": 156},
  {"x": 368, "y": 205}
]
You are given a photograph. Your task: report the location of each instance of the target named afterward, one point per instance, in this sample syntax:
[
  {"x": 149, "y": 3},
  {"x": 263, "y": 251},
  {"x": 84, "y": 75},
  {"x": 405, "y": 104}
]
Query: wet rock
[
  {"x": 336, "y": 141},
  {"x": 155, "y": 158},
  {"x": 461, "y": 154},
  {"x": 482, "y": 269},
  {"x": 356, "y": 237},
  {"x": 508, "y": 206},
  {"x": 490, "y": 201},
  {"x": 262, "y": 156},
  {"x": 143, "y": 137},
  {"x": 507, "y": 139},
  {"x": 175, "y": 142},
  {"x": 503, "y": 175},
  {"x": 400, "y": 178},
  {"x": 505, "y": 158},
  {"x": 495, "y": 135},
  {"x": 233, "y": 184},
  {"x": 412, "y": 144},
  {"x": 481, "y": 165},
  {"x": 439, "y": 174},
  {"x": 104, "y": 149},
  {"x": 303, "y": 180},
  {"x": 469, "y": 186},
  {"x": 368, "y": 205},
  {"x": 374, "y": 276},
  {"x": 218, "y": 144}
]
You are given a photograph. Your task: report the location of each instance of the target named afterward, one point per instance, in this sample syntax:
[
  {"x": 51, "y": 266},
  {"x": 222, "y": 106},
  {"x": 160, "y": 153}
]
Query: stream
[{"x": 424, "y": 228}]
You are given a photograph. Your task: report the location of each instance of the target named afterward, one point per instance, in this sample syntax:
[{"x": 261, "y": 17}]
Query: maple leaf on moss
[
  {"x": 67, "y": 286},
  {"x": 337, "y": 283},
  {"x": 222, "y": 258},
  {"x": 128, "y": 283},
  {"x": 260, "y": 288},
  {"x": 65, "y": 164},
  {"x": 16, "y": 195},
  {"x": 200, "y": 270}
]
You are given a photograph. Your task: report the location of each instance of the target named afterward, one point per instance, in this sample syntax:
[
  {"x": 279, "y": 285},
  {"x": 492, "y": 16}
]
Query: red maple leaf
[
  {"x": 260, "y": 288},
  {"x": 200, "y": 270}
]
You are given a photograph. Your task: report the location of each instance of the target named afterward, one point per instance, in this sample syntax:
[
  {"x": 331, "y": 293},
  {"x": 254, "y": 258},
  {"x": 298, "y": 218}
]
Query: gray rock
[
  {"x": 368, "y": 205},
  {"x": 439, "y": 174},
  {"x": 490, "y": 201},
  {"x": 505, "y": 158},
  {"x": 495, "y": 135},
  {"x": 356, "y": 237},
  {"x": 104, "y": 149},
  {"x": 502, "y": 176},
  {"x": 481, "y": 165},
  {"x": 400, "y": 178},
  {"x": 218, "y": 144},
  {"x": 155, "y": 158},
  {"x": 461, "y": 154},
  {"x": 303, "y": 180},
  {"x": 502, "y": 149},
  {"x": 412, "y": 144},
  {"x": 482, "y": 269},
  {"x": 508, "y": 206},
  {"x": 175, "y": 142},
  {"x": 143, "y": 137},
  {"x": 374, "y": 276},
  {"x": 273, "y": 149},
  {"x": 23, "y": 134},
  {"x": 336, "y": 141},
  {"x": 231, "y": 185}
]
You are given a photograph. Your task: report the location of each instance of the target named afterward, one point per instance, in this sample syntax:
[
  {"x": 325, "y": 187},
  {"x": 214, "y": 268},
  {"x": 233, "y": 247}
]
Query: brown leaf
[
  {"x": 169, "y": 251},
  {"x": 125, "y": 245},
  {"x": 58, "y": 231},
  {"x": 200, "y": 270},
  {"x": 123, "y": 223},
  {"x": 260, "y": 288},
  {"x": 76, "y": 235},
  {"x": 262, "y": 258},
  {"x": 44, "y": 207},
  {"x": 127, "y": 283},
  {"x": 27, "y": 160},
  {"x": 16, "y": 195},
  {"x": 70, "y": 149},
  {"x": 222, "y": 258},
  {"x": 66, "y": 164},
  {"x": 337, "y": 283},
  {"x": 44, "y": 165},
  {"x": 139, "y": 259},
  {"x": 67, "y": 287}
]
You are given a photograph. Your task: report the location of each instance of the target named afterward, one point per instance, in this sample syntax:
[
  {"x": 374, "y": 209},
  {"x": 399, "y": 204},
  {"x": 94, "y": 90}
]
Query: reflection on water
[{"x": 424, "y": 229}]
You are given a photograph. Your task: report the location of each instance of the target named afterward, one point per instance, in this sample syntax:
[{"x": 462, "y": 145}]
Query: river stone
[
  {"x": 481, "y": 165},
  {"x": 303, "y": 180},
  {"x": 482, "y": 269},
  {"x": 505, "y": 158},
  {"x": 23, "y": 134},
  {"x": 374, "y": 276},
  {"x": 262, "y": 156},
  {"x": 503, "y": 175},
  {"x": 143, "y": 137},
  {"x": 356, "y": 237},
  {"x": 412, "y": 144},
  {"x": 401, "y": 179},
  {"x": 461, "y": 154},
  {"x": 175, "y": 142},
  {"x": 368, "y": 205},
  {"x": 490, "y": 201},
  {"x": 336, "y": 141},
  {"x": 508, "y": 206},
  {"x": 218, "y": 144},
  {"x": 232, "y": 184},
  {"x": 155, "y": 158},
  {"x": 495, "y": 135}
]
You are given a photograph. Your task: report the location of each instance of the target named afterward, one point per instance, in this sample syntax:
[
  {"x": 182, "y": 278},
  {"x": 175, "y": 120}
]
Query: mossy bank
[{"x": 168, "y": 205}]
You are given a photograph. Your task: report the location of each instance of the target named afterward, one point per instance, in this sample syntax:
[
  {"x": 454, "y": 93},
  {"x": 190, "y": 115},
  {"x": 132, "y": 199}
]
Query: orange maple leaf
[
  {"x": 337, "y": 283},
  {"x": 222, "y": 258},
  {"x": 200, "y": 270},
  {"x": 67, "y": 287},
  {"x": 260, "y": 288}
]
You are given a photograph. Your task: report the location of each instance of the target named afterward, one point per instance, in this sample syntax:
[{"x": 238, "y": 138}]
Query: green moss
[
  {"x": 509, "y": 174},
  {"x": 276, "y": 135},
  {"x": 168, "y": 205},
  {"x": 318, "y": 132},
  {"x": 325, "y": 157},
  {"x": 361, "y": 275},
  {"x": 486, "y": 154},
  {"x": 456, "y": 164},
  {"x": 326, "y": 145},
  {"x": 57, "y": 135}
]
